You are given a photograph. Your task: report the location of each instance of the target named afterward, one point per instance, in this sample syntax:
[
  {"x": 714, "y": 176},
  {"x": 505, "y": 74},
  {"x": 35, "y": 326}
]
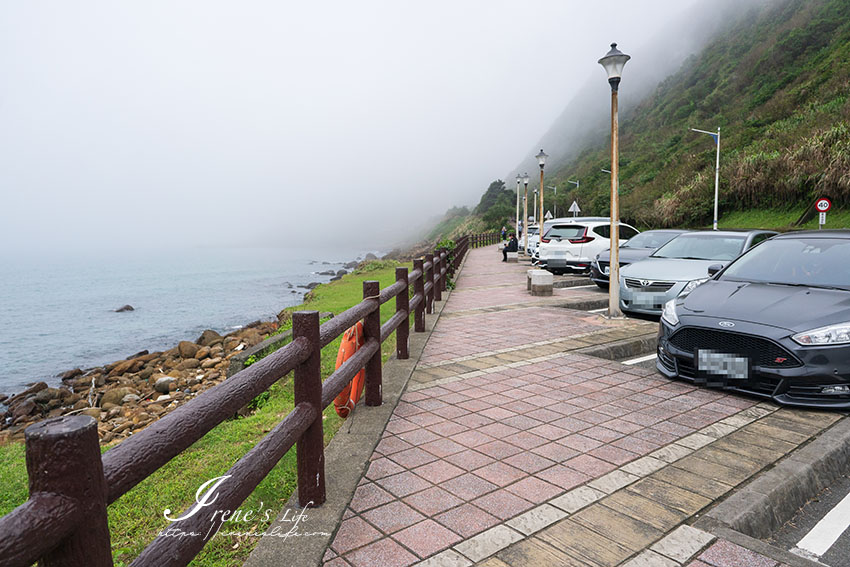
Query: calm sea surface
[{"x": 58, "y": 314}]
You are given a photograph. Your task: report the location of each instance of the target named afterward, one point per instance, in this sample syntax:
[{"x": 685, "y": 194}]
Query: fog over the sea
[{"x": 128, "y": 125}]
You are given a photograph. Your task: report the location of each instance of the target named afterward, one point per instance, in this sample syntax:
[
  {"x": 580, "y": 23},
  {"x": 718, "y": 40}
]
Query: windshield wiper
[{"x": 808, "y": 285}]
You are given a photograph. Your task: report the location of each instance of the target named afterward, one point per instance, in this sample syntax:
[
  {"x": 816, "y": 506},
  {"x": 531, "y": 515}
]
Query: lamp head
[
  {"x": 613, "y": 63},
  {"x": 541, "y": 158},
  {"x": 525, "y": 178}
]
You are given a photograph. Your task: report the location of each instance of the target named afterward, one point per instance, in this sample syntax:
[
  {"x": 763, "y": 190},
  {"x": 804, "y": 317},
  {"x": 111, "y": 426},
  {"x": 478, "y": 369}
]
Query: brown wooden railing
[
  {"x": 485, "y": 239},
  {"x": 64, "y": 522}
]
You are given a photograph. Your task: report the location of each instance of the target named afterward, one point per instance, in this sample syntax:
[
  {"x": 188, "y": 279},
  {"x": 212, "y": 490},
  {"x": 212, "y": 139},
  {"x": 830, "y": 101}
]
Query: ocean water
[{"x": 59, "y": 313}]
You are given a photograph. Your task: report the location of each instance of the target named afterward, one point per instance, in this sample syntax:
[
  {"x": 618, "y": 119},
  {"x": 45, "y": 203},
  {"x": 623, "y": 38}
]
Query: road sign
[
  {"x": 822, "y": 220},
  {"x": 823, "y": 205},
  {"x": 548, "y": 215},
  {"x": 574, "y": 208}
]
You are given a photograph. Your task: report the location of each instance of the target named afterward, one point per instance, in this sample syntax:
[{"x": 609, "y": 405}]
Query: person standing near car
[{"x": 511, "y": 246}]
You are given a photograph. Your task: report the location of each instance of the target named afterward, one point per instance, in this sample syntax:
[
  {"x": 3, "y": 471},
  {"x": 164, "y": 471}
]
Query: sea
[{"x": 59, "y": 313}]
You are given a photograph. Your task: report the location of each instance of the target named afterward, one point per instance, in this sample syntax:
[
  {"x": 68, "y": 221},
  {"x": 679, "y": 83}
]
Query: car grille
[
  {"x": 651, "y": 285},
  {"x": 760, "y": 351}
]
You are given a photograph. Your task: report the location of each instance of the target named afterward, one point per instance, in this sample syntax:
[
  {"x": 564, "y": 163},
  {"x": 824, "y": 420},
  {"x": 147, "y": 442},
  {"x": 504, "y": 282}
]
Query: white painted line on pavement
[
  {"x": 828, "y": 530},
  {"x": 641, "y": 359},
  {"x": 580, "y": 286},
  {"x": 598, "y": 310}
]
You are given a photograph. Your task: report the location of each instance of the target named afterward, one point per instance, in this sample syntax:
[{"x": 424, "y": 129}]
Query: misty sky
[{"x": 147, "y": 124}]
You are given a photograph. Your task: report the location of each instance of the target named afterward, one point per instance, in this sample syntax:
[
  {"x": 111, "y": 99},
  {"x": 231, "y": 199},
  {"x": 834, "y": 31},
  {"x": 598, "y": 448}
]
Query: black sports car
[
  {"x": 774, "y": 323},
  {"x": 636, "y": 248}
]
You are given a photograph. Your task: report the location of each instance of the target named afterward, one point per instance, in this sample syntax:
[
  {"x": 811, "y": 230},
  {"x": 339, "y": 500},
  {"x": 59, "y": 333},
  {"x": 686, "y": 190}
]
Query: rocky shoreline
[{"x": 127, "y": 395}]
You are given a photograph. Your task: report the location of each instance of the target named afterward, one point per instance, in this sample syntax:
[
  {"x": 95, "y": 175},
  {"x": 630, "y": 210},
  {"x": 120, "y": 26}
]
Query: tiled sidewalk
[{"x": 510, "y": 449}]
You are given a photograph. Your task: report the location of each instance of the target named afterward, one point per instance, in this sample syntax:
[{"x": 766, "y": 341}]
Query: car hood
[
  {"x": 627, "y": 255},
  {"x": 789, "y": 307},
  {"x": 669, "y": 269}
]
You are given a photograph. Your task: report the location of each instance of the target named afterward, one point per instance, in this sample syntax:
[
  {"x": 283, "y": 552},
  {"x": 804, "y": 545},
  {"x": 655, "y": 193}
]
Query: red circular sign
[{"x": 823, "y": 205}]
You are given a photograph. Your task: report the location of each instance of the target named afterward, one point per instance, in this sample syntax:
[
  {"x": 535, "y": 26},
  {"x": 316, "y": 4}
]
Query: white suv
[{"x": 574, "y": 245}]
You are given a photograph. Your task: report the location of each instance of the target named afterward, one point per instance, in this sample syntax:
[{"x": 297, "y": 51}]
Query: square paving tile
[
  {"x": 469, "y": 459},
  {"x": 727, "y": 554},
  {"x": 563, "y": 477},
  {"x": 427, "y": 538},
  {"x": 499, "y": 449},
  {"x": 443, "y": 447},
  {"x": 353, "y": 533},
  {"x": 382, "y": 467},
  {"x": 384, "y": 552},
  {"x": 392, "y": 517},
  {"x": 432, "y": 501},
  {"x": 468, "y": 486},
  {"x": 467, "y": 520},
  {"x": 438, "y": 471},
  {"x": 590, "y": 465},
  {"x": 534, "y": 490},
  {"x": 368, "y": 496},
  {"x": 529, "y": 462},
  {"x": 403, "y": 483},
  {"x": 500, "y": 473}
]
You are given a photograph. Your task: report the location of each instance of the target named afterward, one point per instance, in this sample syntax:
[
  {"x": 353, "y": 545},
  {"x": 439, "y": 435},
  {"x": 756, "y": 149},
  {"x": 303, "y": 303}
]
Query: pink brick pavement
[{"x": 464, "y": 456}]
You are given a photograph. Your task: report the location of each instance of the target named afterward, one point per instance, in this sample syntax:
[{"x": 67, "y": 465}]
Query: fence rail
[{"x": 64, "y": 522}]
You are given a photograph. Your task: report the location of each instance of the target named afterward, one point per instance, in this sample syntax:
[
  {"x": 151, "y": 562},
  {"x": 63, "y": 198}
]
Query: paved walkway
[{"x": 511, "y": 447}]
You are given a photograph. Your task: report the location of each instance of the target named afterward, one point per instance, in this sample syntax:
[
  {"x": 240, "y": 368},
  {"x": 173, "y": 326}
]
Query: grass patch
[
  {"x": 780, "y": 219},
  {"x": 136, "y": 518}
]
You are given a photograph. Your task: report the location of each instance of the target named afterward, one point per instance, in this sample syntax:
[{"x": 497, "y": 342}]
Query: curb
[
  {"x": 624, "y": 348},
  {"x": 775, "y": 496}
]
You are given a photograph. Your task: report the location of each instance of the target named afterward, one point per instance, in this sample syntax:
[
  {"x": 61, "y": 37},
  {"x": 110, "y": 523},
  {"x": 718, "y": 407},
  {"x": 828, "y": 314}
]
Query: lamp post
[
  {"x": 716, "y": 136},
  {"x": 613, "y": 63},
  {"x": 534, "y": 208},
  {"x": 525, "y": 218},
  {"x": 516, "y": 225},
  {"x": 554, "y": 189},
  {"x": 576, "y": 183},
  {"x": 541, "y": 161}
]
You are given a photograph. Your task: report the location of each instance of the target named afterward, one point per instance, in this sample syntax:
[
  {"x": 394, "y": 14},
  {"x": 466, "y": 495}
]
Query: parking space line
[
  {"x": 598, "y": 310},
  {"x": 639, "y": 360},
  {"x": 828, "y": 530}
]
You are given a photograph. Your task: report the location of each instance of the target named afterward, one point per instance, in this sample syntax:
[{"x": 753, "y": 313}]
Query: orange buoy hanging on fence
[{"x": 352, "y": 340}]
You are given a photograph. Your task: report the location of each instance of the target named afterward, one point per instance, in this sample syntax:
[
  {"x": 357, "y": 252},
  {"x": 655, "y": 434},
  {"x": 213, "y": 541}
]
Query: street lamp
[
  {"x": 525, "y": 218},
  {"x": 541, "y": 160},
  {"x": 613, "y": 63},
  {"x": 554, "y": 189},
  {"x": 534, "y": 209},
  {"x": 716, "y": 137},
  {"x": 516, "y": 225}
]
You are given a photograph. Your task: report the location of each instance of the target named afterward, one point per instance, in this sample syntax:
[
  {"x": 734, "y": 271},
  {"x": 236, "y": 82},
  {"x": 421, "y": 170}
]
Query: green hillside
[{"x": 777, "y": 86}]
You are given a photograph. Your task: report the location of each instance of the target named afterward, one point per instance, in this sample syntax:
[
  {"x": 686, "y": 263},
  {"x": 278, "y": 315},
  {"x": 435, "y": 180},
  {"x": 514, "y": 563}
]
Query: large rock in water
[
  {"x": 187, "y": 349},
  {"x": 124, "y": 308},
  {"x": 209, "y": 338}
]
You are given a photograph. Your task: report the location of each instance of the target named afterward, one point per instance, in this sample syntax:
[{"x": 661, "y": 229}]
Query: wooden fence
[{"x": 64, "y": 522}]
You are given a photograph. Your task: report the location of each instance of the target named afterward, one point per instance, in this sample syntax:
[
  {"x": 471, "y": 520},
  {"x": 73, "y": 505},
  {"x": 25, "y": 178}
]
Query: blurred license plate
[
  {"x": 729, "y": 366},
  {"x": 607, "y": 270},
  {"x": 647, "y": 300}
]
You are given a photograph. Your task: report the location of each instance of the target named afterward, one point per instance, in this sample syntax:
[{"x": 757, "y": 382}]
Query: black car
[
  {"x": 774, "y": 323},
  {"x": 637, "y": 248}
]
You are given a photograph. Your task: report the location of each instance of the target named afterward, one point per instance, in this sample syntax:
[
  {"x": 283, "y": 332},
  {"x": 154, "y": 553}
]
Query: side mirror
[{"x": 714, "y": 268}]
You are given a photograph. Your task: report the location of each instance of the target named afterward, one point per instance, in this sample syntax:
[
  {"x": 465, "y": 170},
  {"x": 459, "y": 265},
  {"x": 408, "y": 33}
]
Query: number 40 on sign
[{"x": 822, "y": 205}]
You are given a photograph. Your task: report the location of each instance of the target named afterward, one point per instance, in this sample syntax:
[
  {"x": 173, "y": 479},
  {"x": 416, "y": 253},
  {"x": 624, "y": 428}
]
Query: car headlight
[
  {"x": 832, "y": 335},
  {"x": 690, "y": 286},
  {"x": 669, "y": 313}
]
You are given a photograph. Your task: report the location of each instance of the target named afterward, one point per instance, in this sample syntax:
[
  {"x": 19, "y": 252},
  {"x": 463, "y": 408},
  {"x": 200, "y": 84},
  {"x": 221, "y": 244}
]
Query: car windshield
[
  {"x": 703, "y": 246},
  {"x": 565, "y": 231},
  {"x": 533, "y": 230},
  {"x": 652, "y": 239},
  {"x": 815, "y": 262}
]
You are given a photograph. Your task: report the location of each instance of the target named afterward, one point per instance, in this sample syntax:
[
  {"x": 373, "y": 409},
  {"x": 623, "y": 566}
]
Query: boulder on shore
[
  {"x": 209, "y": 338},
  {"x": 187, "y": 349}
]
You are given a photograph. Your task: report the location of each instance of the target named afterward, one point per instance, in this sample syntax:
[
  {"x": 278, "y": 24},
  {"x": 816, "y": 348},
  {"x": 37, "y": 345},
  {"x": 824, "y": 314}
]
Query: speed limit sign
[{"x": 823, "y": 205}]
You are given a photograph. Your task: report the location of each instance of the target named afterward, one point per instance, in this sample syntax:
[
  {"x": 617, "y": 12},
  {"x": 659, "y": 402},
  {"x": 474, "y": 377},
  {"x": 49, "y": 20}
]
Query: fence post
[
  {"x": 419, "y": 289},
  {"x": 372, "y": 329},
  {"x": 444, "y": 272},
  {"x": 402, "y": 303},
  {"x": 437, "y": 278},
  {"x": 63, "y": 457},
  {"x": 429, "y": 277},
  {"x": 307, "y": 385}
]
